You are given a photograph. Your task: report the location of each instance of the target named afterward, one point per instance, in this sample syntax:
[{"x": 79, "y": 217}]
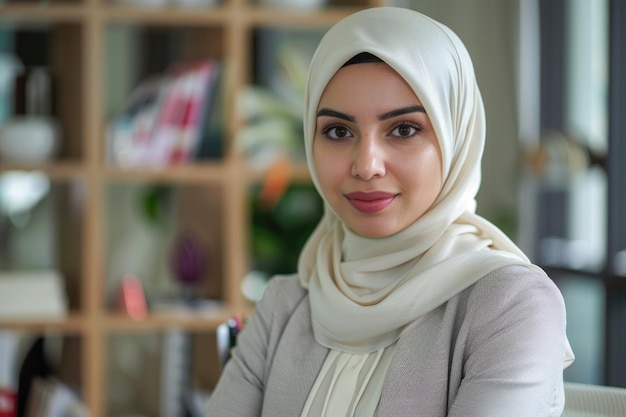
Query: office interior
[{"x": 550, "y": 73}]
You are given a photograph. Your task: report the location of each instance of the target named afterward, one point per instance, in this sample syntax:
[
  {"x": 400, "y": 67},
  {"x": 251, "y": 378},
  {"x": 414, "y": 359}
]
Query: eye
[
  {"x": 406, "y": 130},
  {"x": 336, "y": 132}
]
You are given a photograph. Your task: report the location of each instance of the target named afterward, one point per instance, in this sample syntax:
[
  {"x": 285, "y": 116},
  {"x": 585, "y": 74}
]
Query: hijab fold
[{"x": 364, "y": 291}]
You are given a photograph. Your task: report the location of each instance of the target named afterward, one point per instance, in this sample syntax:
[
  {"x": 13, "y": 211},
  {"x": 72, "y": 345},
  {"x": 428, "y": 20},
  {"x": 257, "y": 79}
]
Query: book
[
  {"x": 170, "y": 120},
  {"x": 182, "y": 112},
  {"x": 197, "y": 93},
  {"x": 211, "y": 129},
  {"x": 51, "y": 398},
  {"x": 175, "y": 369},
  {"x": 129, "y": 134}
]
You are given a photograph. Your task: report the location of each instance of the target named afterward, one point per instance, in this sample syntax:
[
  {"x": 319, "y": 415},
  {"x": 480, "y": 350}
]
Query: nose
[{"x": 369, "y": 159}]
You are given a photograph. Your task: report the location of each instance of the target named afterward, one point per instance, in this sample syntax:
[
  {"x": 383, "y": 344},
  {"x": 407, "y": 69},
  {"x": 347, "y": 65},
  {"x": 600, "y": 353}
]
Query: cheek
[
  {"x": 319, "y": 159},
  {"x": 423, "y": 168},
  {"x": 431, "y": 159},
  {"x": 323, "y": 164}
]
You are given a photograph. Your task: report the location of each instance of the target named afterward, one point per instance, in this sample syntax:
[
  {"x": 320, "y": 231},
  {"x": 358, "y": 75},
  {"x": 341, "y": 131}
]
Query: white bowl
[{"x": 29, "y": 139}]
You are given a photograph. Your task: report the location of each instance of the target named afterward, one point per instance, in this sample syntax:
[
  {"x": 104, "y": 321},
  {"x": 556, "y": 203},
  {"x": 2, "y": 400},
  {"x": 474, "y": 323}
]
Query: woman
[{"x": 405, "y": 302}]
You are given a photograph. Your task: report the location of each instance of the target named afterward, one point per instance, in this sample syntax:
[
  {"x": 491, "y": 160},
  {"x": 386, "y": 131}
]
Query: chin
[{"x": 373, "y": 232}]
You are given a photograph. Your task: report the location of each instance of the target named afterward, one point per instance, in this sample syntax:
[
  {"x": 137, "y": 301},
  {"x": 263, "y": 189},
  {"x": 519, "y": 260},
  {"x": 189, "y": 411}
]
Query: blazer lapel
[
  {"x": 418, "y": 374},
  {"x": 297, "y": 361}
]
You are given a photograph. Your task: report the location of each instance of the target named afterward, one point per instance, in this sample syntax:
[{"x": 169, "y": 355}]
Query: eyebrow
[
  {"x": 394, "y": 113},
  {"x": 401, "y": 111},
  {"x": 335, "y": 113}
]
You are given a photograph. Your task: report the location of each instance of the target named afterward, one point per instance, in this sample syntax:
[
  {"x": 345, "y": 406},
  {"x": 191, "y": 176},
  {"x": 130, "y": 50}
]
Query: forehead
[{"x": 368, "y": 83}]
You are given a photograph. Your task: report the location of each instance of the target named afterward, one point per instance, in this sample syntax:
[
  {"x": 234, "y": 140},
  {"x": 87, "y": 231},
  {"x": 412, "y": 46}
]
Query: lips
[{"x": 370, "y": 202}]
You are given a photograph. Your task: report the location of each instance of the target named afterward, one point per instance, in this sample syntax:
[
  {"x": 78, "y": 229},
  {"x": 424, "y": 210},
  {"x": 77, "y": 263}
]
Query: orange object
[{"x": 275, "y": 183}]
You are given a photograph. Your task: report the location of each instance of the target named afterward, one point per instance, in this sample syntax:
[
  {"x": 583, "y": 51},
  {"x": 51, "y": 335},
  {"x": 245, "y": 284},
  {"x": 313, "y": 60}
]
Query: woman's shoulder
[
  {"x": 285, "y": 285},
  {"x": 514, "y": 289},
  {"x": 516, "y": 279},
  {"x": 283, "y": 293}
]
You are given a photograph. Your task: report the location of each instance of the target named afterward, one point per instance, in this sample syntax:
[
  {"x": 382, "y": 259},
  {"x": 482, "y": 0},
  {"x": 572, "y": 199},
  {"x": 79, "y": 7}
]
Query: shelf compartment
[
  {"x": 41, "y": 358},
  {"x": 148, "y": 69},
  {"x": 42, "y": 229},
  {"x": 167, "y": 236},
  {"x": 166, "y": 365},
  {"x": 53, "y": 50}
]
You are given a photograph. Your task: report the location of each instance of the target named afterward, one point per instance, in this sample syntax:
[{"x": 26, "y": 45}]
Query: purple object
[{"x": 187, "y": 260}]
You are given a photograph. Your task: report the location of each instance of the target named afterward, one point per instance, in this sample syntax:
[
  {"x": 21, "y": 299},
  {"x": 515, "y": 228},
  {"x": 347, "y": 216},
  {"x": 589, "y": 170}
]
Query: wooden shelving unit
[{"x": 76, "y": 31}]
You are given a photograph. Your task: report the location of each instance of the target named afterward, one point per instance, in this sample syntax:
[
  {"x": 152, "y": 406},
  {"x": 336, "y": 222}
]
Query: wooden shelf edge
[
  {"x": 55, "y": 171},
  {"x": 43, "y": 12},
  {"x": 73, "y": 323},
  {"x": 159, "y": 321},
  {"x": 202, "y": 173},
  {"x": 281, "y": 17},
  {"x": 172, "y": 15},
  {"x": 166, "y": 15}
]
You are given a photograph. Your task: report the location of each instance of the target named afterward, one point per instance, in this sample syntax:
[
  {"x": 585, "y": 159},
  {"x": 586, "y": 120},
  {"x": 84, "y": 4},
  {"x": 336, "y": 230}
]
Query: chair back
[{"x": 586, "y": 400}]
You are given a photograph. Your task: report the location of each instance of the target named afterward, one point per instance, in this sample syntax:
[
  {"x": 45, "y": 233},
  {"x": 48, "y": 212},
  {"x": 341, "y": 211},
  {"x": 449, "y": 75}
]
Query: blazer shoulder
[
  {"x": 516, "y": 290},
  {"x": 283, "y": 293},
  {"x": 285, "y": 285},
  {"x": 517, "y": 279}
]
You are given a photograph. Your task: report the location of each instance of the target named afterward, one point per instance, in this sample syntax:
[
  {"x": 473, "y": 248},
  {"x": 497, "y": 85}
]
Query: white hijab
[{"x": 364, "y": 291}]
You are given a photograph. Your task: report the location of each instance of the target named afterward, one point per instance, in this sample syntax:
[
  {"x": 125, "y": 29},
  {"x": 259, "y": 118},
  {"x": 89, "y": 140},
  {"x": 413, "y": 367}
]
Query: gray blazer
[{"x": 496, "y": 349}]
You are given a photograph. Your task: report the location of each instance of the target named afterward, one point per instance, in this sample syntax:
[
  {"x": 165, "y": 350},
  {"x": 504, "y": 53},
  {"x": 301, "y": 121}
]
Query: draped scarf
[{"x": 364, "y": 291}]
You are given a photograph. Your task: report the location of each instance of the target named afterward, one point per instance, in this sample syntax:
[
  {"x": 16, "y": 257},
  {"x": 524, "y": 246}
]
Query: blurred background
[{"x": 152, "y": 180}]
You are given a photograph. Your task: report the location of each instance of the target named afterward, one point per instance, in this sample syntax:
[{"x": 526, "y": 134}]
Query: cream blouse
[{"x": 349, "y": 384}]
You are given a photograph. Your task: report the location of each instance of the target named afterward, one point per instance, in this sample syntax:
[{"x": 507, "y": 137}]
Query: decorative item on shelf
[
  {"x": 188, "y": 266},
  {"x": 34, "y": 136},
  {"x": 131, "y": 298},
  {"x": 169, "y": 119}
]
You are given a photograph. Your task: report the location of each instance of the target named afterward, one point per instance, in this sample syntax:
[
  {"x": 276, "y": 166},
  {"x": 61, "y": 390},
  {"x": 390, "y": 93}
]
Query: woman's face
[{"x": 375, "y": 152}]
